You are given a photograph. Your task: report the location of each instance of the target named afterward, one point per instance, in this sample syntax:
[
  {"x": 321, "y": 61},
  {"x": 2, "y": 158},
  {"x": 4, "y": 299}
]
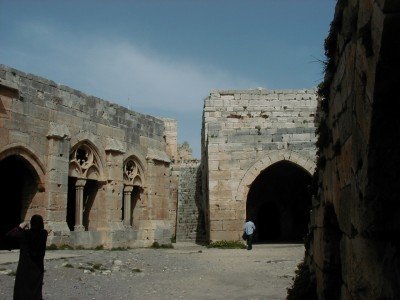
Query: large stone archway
[
  {"x": 272, "y": 214},
  {"x": 21, "y": 176},
  {"x": 279, "y": 201},
  {"x": 227, "y": 203},
  {"x": 306, "y": 163},
  {"x": 27, "y": 154}
]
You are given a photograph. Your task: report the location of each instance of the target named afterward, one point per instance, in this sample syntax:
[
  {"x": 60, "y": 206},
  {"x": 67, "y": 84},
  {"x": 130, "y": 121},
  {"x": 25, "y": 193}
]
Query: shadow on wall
[{"x": 200, "y": 230}]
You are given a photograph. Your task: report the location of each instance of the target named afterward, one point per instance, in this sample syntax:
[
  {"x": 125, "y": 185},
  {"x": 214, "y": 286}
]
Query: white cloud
[
  {"x": 118, "y": 70},
  {"x": 152, "y": 81}
]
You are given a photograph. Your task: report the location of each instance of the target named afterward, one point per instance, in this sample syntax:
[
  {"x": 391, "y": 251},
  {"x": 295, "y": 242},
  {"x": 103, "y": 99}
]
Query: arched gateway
[
  {"x": 279, "y": 201},
  {"x": 275, "y": 195},
  {"x": 21, "y": 175},
  {"x": 255, "y": 144}
]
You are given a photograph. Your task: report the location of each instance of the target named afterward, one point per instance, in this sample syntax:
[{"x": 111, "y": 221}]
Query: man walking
[{"x": 249, "y": 228}]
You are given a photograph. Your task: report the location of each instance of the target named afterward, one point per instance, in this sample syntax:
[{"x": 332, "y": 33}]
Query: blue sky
[{"x": 163, "y": 57}]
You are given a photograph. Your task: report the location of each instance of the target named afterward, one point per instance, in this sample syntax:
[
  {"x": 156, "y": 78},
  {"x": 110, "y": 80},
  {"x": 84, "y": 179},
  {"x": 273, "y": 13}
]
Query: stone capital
[
  {"x": 80, "y": 183},
  {"x": 128, "y": 188},
  {"x": 79, "y": 228}
]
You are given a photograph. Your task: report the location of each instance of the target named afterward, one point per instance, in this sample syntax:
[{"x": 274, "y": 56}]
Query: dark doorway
[
  {"x": 71, "y": 203},
  {"x": 279, "y": 202},
  {"x": 134, "y": 213},
  {"x": 89, "y": 195},
  {"x": 19, "y": 184}
]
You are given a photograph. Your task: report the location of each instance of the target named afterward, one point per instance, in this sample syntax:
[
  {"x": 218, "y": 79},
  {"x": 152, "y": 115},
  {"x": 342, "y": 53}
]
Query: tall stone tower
[{"x": 258, "y": 155}]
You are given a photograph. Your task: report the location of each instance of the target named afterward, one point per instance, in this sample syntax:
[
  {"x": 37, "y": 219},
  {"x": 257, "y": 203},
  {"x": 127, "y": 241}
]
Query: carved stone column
[
  {"x": 127, "y": 204},
  {"x": 80, "y": 184}
]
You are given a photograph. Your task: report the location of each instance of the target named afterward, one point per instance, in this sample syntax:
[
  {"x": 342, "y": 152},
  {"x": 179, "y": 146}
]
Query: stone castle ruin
[{"x": 102, "y": 175}]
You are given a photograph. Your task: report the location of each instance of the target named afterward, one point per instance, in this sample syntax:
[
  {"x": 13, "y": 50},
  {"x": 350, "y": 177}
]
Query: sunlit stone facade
[{"x": 97, "y": 172}]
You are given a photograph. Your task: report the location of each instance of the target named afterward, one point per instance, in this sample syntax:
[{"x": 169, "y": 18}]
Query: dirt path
[{"x": 187, "y": 272}]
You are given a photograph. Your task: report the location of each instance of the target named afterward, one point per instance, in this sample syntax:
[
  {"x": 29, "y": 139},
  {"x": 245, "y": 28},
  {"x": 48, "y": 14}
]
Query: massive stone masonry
[
  {"x": 103, "y": 175},
  {"x": 244, "y": 133},
  {"x": 97, "y": 172},
  {"x": 353, "y": 250}
]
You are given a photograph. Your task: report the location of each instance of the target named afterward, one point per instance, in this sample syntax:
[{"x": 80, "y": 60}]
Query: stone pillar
[
  {"x": 127, "y": 204},
  {"x": 115, "y": 182},
  {"x": 80, "y": 184},
  {"x": 58, "y": 149}
]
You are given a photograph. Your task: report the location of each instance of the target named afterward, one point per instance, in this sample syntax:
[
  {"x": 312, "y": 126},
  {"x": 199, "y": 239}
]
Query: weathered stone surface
[
  {"x": 190, "y": 214},
  {"x": 86, "y": 164},
  {"x": 354, "y": 247},
  {"x": 244, "y": 132}
]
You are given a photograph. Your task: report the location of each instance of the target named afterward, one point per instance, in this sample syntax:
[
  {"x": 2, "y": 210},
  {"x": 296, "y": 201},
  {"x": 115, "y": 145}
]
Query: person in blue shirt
[{"x": 249, "y": 228}]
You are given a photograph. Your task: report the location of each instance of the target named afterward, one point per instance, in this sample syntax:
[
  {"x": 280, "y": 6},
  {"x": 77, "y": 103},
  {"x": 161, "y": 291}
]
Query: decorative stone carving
[
  {"x": 84, "y": 163},
  {"x": 133, "y": 172},
  {"x": 133, "y": 176}
]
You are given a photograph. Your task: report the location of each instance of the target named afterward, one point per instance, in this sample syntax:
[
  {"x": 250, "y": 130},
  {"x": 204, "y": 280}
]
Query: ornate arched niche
[
  {"x": 134, "y": 183},
  {"x": 84, "y": 162},
  {"x": 133, "y": 172},
  {"x": 85, "y": 173}
]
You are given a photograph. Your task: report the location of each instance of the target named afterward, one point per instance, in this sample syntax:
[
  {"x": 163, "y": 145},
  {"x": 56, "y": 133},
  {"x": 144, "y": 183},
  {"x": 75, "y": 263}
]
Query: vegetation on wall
[{"x": 304, "y": 285}]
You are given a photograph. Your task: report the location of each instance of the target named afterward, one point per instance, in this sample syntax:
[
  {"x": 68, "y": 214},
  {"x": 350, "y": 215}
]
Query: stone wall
[
  {"x": 171, "y": 138},
  {"x": 244, "y": 132},
  {"x": 190, "y": 216},
  {"x": 110, "y": 160},
  {"x": 353, "y": 249}
]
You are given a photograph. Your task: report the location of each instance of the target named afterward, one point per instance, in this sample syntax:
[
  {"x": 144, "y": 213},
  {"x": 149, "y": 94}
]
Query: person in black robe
[{"x": 30, "y": 270}]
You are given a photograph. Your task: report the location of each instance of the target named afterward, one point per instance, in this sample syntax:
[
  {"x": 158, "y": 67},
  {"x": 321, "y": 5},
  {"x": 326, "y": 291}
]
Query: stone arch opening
[
  {"x": 89, "y": 195},
  {"x": 19, "y": 183},
  {"x": 71, "y": 202},
  {"x": 131, "y": 215},
  {"x": 85, "y": 174},
  {"x": 133, "y": 190},
  {"x": 279, "y": 201}
]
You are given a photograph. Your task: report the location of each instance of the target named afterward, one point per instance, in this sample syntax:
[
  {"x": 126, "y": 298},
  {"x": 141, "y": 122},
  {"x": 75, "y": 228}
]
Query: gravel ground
[{"x": 187, "y": 272}]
